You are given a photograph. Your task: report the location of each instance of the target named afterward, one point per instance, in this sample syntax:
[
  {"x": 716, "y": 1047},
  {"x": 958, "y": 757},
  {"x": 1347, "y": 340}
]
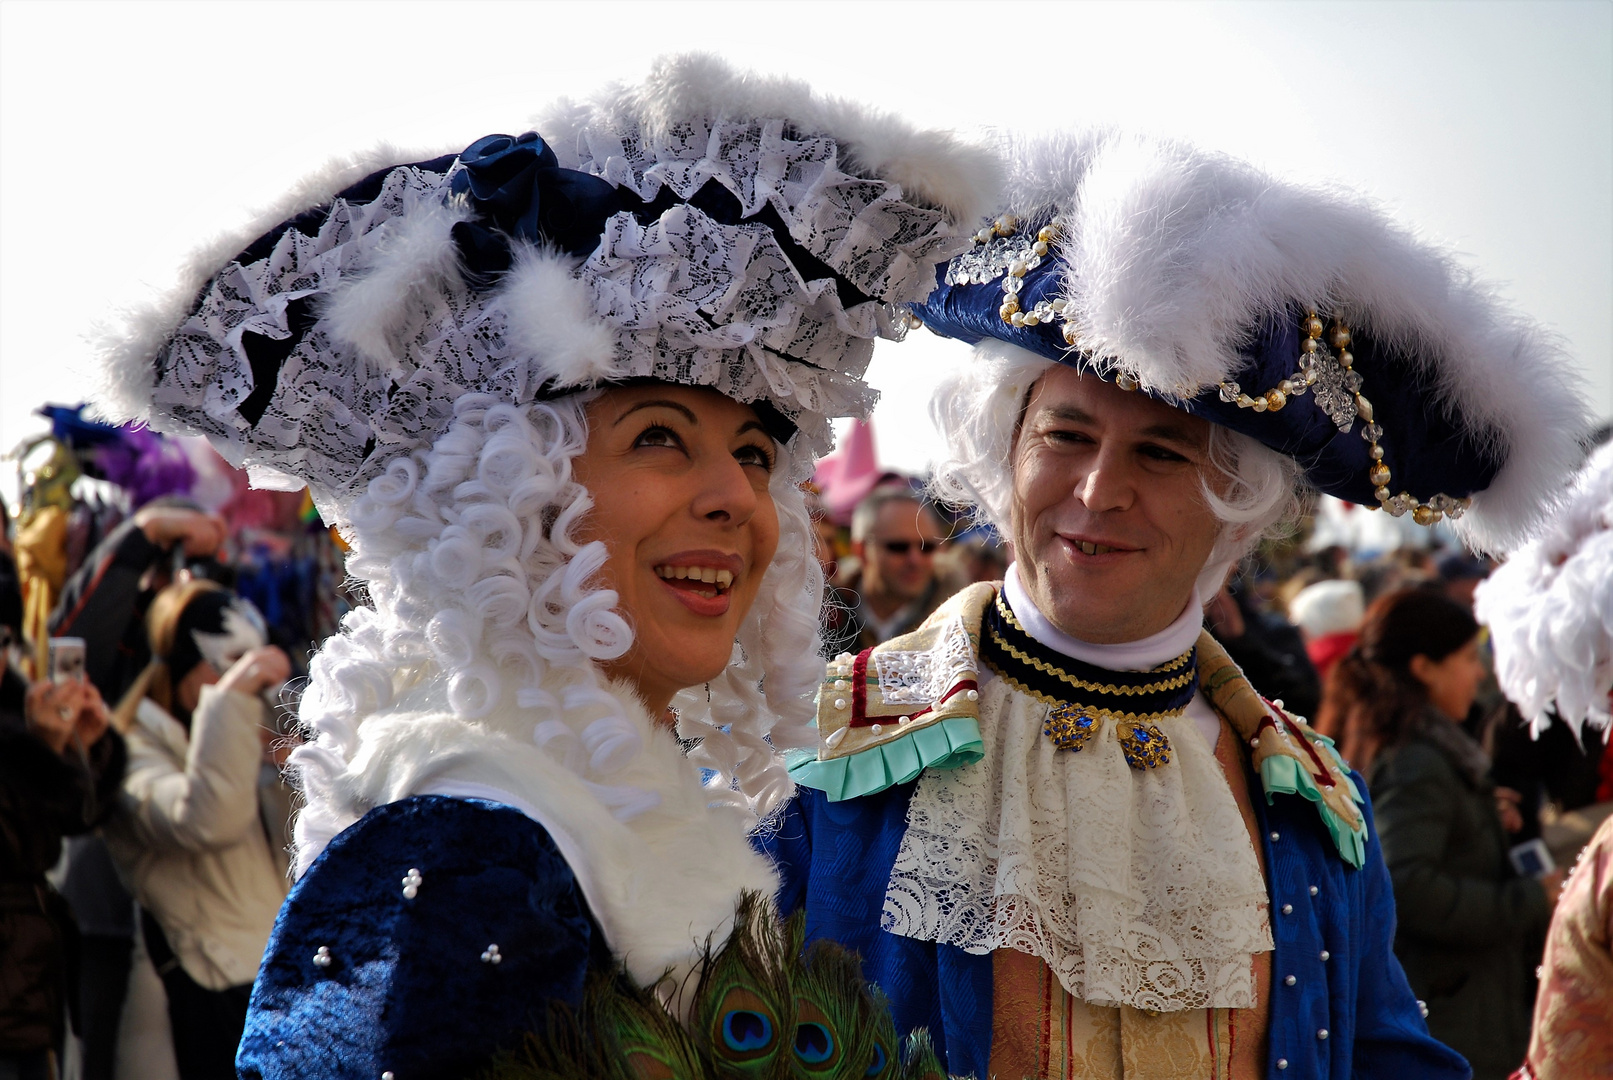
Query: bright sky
[{"x": 130, "y": 131}]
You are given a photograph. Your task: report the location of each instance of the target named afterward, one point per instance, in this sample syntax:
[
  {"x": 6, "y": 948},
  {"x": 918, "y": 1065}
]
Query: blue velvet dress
[
  {"x": 1348, "y": 1013},
  {"x": 362, "y": 980}
]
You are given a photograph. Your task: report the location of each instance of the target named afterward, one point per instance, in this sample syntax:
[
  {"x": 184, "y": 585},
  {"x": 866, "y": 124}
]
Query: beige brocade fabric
[{"x": 1040, "y": 1031}]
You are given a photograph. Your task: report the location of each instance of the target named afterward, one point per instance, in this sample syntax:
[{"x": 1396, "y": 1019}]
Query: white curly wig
[
  {"x": 978, "y": 408},
  {"x": 484, "y": 606}
]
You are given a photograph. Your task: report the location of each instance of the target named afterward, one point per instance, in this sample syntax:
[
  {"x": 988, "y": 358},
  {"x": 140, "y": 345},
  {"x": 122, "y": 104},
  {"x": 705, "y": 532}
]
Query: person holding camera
[
  {"x": 60, "y": 767},
  {"x": 195, "y": 838},
  {"x": 104, "y": 602}
]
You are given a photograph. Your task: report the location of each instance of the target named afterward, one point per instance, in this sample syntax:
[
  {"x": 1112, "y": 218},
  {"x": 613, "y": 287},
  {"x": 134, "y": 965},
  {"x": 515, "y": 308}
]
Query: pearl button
[
  {"x": 840, "y": 703},
  {"x": 1326, "y": 956},
  {"x": 1314, "y": 890},
  {"x": 904, "y": 719},
  {"x": 389, "y": 1075},
  {"x": 1282, "y": 1063},
  {"x": 490, "y": 955},
  {"x": 1290, "y": 981},
  {"x": 1276, "y": 836},
  {"x": 879, "y": 729},
  {"x": 322, "y": 957},
  {"x": 1322, "y": 1034},
  {"x": 973, "y": 695},
  {"x": 1288, "y": 909}
]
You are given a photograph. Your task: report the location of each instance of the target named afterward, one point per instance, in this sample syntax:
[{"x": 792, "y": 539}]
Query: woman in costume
[
  {"x": 193, "y": 839},
  {"x": 559, "y": 392},
  {"x": 1466, "y": 922}
]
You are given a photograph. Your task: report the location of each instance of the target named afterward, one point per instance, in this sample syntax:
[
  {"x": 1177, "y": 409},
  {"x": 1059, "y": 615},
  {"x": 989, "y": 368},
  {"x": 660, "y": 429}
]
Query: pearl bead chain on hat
[{"x": 1338, "y": 393}]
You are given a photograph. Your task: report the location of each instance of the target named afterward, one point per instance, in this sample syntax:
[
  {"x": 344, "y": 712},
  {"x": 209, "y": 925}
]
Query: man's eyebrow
[
  {"x": 1170, "y": 432},
  {"x": 1165, "y": 430},
  {"x": 661, "y": 403}
]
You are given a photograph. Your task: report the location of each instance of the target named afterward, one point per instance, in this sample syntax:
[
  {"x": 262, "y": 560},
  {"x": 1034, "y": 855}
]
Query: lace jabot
[{"x": 1136, "y": 886}]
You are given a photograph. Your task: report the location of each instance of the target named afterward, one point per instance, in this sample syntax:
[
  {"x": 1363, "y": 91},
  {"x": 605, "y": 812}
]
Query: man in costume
[
  {"x": 560, "y": 392},
  {"x": 1058, "y": 823},
  {"x": 895, "y": 536}
]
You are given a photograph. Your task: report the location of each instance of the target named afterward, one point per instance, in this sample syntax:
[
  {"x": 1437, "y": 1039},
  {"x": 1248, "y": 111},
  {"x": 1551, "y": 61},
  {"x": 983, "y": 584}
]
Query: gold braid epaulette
[{"x": 1269, "y": 731}]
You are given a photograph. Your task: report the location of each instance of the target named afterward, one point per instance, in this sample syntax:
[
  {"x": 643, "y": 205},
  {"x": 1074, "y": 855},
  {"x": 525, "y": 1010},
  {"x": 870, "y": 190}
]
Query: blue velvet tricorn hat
[{"x": 1304, "y": 318}]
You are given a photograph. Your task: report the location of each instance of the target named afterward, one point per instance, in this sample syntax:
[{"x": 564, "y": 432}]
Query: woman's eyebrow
[
  {"x": 752, "y": 425},
  {"x": 664, "y": 403}
]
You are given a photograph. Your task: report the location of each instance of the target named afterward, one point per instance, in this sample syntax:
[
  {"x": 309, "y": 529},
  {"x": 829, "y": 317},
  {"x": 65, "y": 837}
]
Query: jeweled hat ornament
[
  {"x": 1302, "y": 317},
  {"x": 679, "y": 230}
]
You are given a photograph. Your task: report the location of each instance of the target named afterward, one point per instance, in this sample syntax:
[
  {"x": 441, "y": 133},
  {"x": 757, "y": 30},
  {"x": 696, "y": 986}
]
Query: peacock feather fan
[{"x": 763, "y": 1008}]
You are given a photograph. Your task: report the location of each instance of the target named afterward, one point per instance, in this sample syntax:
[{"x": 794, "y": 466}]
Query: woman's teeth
[
  {"x": 709, "y": 574},
  {"x": 1093, "y": 549}
]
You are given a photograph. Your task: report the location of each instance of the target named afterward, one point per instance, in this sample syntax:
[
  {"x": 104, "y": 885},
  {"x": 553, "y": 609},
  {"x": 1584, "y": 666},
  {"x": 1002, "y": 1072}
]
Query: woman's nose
[{"x": 727, "y": 494}]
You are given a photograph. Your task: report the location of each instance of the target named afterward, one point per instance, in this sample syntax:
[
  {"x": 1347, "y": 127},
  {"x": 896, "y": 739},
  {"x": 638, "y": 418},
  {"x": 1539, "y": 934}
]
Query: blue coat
[
  {"x": 410, "y": 986},
  {"x": 835, "y": 860}
]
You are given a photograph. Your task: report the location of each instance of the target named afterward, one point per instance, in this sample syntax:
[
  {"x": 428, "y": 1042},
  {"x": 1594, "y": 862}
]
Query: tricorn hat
[
  {"x": 706, "y": 228},
  {"x": 1304, "y": 318}
]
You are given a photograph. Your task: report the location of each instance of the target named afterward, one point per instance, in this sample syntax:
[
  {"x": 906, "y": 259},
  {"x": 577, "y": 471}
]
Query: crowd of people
[{"x": 1173, "y": 727}]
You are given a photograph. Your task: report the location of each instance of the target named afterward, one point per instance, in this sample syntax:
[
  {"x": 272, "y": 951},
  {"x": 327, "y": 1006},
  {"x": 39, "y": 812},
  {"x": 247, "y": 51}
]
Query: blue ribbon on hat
[{"x": 517, "y": 184}]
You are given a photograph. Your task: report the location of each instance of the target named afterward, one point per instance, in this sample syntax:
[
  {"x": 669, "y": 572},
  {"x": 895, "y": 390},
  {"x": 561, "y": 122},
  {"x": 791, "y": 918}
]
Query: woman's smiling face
[{"x": 679, "y": 478}]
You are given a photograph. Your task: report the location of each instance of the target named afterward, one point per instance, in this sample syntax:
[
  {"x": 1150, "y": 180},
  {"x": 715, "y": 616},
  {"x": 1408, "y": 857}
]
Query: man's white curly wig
[{"x": 416, "y": 339}]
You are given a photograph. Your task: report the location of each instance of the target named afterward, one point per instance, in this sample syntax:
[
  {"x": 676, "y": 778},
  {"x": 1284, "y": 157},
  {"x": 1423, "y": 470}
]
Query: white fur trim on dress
[
  {"x": 1550, "y": 609},
  {"x": 1176, "y": 255},
  {"x": 659, "y": 884}
]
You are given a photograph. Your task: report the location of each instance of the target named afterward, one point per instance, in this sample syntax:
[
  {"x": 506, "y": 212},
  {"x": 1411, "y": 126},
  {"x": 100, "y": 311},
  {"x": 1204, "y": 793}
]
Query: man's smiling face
[{"x": 1110, "y": 525}]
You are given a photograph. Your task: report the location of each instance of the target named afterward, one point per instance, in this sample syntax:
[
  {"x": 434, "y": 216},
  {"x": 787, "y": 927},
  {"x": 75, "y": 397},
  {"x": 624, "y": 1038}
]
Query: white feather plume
[
  {"x": 936, "y": 167},
  {"x": 1550, "y": 608},
  {"x": 413, "y": 259},
  {"x": 550, "y": 317}
]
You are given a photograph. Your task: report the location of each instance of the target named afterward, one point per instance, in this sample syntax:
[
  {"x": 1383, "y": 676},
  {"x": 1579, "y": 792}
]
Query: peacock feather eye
[
  {"x": 879, "y": 1062},
  {"x": 814, "y": 1045},
  {"x": 747, "y": 1032}
]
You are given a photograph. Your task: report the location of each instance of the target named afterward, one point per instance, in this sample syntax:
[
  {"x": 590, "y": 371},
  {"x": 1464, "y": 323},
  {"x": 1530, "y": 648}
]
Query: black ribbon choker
[{"x": 1083, "y": 695}]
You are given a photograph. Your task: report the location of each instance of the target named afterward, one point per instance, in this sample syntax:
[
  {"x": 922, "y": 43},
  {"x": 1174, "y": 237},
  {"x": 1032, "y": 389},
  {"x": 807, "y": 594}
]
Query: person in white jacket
[{"x": 194, "y": 839}]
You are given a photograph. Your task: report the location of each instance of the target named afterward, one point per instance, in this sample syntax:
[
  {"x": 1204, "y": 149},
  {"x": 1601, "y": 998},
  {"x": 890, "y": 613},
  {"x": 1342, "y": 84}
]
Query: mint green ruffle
[
  {"x": 952, "y": 743},
  {"x": 1282, "y": 775}
]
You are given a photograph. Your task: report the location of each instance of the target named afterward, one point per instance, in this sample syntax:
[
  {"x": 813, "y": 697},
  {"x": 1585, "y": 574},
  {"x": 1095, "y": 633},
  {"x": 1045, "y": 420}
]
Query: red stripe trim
[
  {"x": 859, "y": 702},
  {"x": 859, "y": 688},
  {"x": 1322, "y": 775}
]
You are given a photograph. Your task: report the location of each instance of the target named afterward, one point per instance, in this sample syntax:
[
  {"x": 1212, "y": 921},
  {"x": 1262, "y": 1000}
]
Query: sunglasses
[{"x": 902, "y": 547}]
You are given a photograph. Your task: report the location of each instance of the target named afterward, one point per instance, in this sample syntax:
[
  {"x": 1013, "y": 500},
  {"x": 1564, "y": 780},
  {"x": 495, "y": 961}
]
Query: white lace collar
[{"x": 1135, "y": 886}]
